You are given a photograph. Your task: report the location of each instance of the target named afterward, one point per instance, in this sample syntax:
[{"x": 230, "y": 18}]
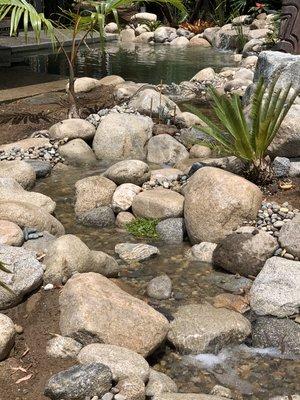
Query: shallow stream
[{"x": 250, "y": 373}]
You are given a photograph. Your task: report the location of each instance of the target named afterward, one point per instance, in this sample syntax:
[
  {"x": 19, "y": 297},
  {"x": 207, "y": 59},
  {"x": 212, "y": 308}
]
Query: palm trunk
[
  {"x": 261, "y": 171},
  {"x": 73, "y": 110}
]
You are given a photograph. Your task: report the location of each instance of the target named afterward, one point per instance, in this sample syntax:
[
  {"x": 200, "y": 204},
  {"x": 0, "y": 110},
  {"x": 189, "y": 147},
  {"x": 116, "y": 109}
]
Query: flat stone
[
  {"x": 7, "y": 335},
  {"x": 275, "y": 290},
  {"x": 123, "y": 196},
  {"x": 202, "y": 328},
  {"x": 128, "y": 171},
  {"x": 122, "y": 362},
  {"x": 72, "y": 129},
  {"x": 131, "y": 252},
  {"x": 79, "y": 381},
  {"x": 63, "y": 347}
]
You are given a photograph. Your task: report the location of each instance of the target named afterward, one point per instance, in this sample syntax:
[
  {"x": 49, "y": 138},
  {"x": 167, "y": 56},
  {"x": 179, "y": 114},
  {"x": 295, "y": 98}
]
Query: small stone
[
  {"x": 107, "y": 396},
  {"x": 221, "y": 391},
  {"x": 19, "y": 329},
  {"x": 7, "y": 336},
  {"x": 160, "y": 288},
  {"x": 49, "y": 286},
  {"x": 63, "y": 347}
]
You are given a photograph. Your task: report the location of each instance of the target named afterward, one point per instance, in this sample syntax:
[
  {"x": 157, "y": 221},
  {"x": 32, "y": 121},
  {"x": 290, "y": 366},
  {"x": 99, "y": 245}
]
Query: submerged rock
[
  {"x": 101, "y": 217},
  {"x": 226, "y": 201},
  {"x": 7, "y": 336},
  {"x": 121, "y": 319},
  {"x": 122, "y": 362},
  {"x": 26, "y": 275},
  {"x": 202, "y": 328},
  {"x": 131, "y": 252},
  {"x": 275, "y": 290},
  {"x": 79, "y": 382}
]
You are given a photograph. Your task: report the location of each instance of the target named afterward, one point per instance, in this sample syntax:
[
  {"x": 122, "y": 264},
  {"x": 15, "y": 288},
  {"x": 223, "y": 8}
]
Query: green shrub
[{"x": 143, "y": 227}]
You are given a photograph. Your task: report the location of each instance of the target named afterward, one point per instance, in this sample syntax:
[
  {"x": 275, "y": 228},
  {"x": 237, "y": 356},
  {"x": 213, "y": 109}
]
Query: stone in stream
[
  {"x": 77, "y": 152},
  {"x": 226, "y": 201},
  {"x": 11, "y": 190},
  {"x": 244, "y": 253},
  {"x": 160, "y": 288},
  {"x": 159, "y": 383},
  {"x": 63, "y": 347},
  {"x": 68, "y": 255},
  {"x": 40, "y": 245},
  {"x": 7, "y": 336},
  {"x": 275, "y": 290},
  {"x": 10, "y": 234},
  {"x": 289, "y": 236},
  {"x": 93, "y": 192},
  {"x": 123, "y": 196},
  {"x": 101, "y": 217},
  {"x": 93, "y": 309},
  {"x": 202, "y": 328},
  {"x": 26, "y": 275},
  {"x": 128, "y": 171},
  {"x": 164, "y": 149},
  {"x": 28, "y": 215},
  {"x": 124, "y": 218},
  {"x": 158, "y": 204},
  {"x": 72, "y": 129},
  {"x": 132, "y": 388},
  {"x": 171, "y": 230},
  {"x": 131, "y": 252},
  {"x": 202, "y": 252},
  {"x": 222, "y": 391},
  {"x": 164, "y": 34},
  {"x": 22, "y": 172},
  {"x": 41, "y": 168},
  {"x": 283, "y": 334},
  {"x": 231, "y": 283},
  {"x": 122, "y": 136},
  {"x": 122, "y": 362},
  {"x": 79, "y": 382}
]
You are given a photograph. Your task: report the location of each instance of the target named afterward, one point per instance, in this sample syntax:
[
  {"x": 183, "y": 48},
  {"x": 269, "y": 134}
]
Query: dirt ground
[{"x": 19, "y": 119}]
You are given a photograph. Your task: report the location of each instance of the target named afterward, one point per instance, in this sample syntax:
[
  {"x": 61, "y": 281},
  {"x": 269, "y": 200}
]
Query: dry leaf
[{"x": 26, "y": 378}]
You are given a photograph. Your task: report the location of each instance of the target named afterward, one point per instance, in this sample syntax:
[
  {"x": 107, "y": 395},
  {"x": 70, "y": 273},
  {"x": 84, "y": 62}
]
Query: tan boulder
[
  {"x": 111, "y": 80},
  {"x": 72, "y": 129},
  {"x": 217, "y": 202},
  {"x": 95, "y": 309},
  {"x": 77, "y": 152},
  {"x": 158, "y": 204},
  {"x": 10, "y": 234},
  {"x": 21, "y": 171}
]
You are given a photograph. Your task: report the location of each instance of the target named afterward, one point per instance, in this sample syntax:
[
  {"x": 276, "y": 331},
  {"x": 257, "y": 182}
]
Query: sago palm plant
[
  {"x": 88, "y": 18},
  {"x": 249, "y": 138}
]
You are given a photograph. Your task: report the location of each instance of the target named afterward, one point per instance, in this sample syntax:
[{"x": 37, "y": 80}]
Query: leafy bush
[
  {"x": 249, "y": 140},
  {"x": 143, "y": 227}
]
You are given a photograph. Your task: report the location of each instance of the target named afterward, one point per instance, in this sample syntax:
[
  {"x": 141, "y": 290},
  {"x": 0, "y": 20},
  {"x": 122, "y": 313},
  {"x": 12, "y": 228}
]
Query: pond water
[
  {"x": 250, "y": 373},
  {"x": 138, "y": 63}
]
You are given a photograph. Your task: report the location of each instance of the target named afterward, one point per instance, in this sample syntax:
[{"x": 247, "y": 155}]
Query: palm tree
[{"x": 88, "y": 18}]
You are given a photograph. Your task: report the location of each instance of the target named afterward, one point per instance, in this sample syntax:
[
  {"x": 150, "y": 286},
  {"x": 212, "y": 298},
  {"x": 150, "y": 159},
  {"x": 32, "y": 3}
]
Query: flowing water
[
  {"x": 138, "y": 63},
  {"x": 250, "y": 373}
]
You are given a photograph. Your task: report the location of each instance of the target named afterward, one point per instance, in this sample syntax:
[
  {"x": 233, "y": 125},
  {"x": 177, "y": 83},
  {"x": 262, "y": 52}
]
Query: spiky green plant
[
  {"x": 250, "y": 139},
  {"x": 88, "y": 18},
  {"x": 4, "y": 269}
]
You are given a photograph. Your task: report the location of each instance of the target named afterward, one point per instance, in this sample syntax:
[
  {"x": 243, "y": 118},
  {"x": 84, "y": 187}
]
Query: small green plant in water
[{"x": 143, "y": 227}]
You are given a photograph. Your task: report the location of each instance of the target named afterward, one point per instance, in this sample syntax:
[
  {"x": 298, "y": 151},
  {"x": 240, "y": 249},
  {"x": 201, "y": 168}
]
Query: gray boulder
[
  {"x": 164, "y": 34},
  {"x": 41, "y": 168},
  {"x": 73, "y": 128},
  {"x": 128, "y": 171},
  {"x": 63, "y": 347},
  {"x": 122, "y": 136},
  {"x": 275, "y": 290},
  {"x": 289, "y": 236},
  {"x": 282, "y": 334},
  {"x": 26, "y": 275},
  {"x": 102, "y": 217},
  {"x": 202, "y": 328},
  {"x": 7, "y": 336},
  {"x": 77, "y": 152},
  {"x": 79, "y": 382},
  {"x": 171, "y": 230},
  {"x": 163, "y": 149},
  {"x": 131, "y": 252},
  {"x": 40, "y": 245},
  {"x": 160, "y": 288},
  {"x": 281, "y": 167},
  {"x": 122, "y": 362},
  {"x": 244, "y": 253}
]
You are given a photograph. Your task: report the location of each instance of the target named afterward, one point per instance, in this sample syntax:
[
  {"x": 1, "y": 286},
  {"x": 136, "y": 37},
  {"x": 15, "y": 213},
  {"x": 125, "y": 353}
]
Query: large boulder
[
  {"x": 7, "y": 336},
  {"x": 159, "y": 383},
  {"x": 111, "y": 80},
  {"x": 21, "y": 171},
  {"x": 93, "y": 192},
  {"x": 11, "y": 190},
  {"x": 101, "y": 217},
  {"x": 289, "y": 236},
  {"x": 122, "y": 136},
  {"x": 10, "y": 234},
  {"x": 153, "y": 103},
  {"x": 202, "y": 328},
  {"x": 73, "y": 128},
  {"x": 128, "y": 171},
  {"x": 244, "y": 253},
  {"x": 95, "y": 309},
  {"x": 275, "y": 290},
  {"x": 25, "y": 275},
  {"x": 28, "y": 215},
  {"x": 77, "y": 152},
  {"x": 158, "y": 204},
  {"x": 124, "y": 195},
  {"x": 280, "y": 333},
  {"x": 163, "y": 149},
  {"x": 164, "y": 34},
  {"x": 80, "y": 382},
  {"x": 122, "y": 362},
  {"x": 171, "y": 230},
  {"x": 217, "y": 202},
  {"x": 85, "y": 84},
  {"x": 68, "y": 255}
]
